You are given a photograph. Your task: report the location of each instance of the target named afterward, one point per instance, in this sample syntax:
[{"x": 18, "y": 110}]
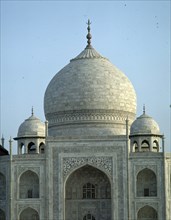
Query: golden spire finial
[
  {"x": 32, "y": 111},
  {"x": 144, "y": 109},
  {"x": 88, "y": 35}
]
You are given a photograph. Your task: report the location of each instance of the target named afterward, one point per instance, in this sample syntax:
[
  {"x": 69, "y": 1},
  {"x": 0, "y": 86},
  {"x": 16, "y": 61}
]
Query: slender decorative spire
[
  {"x": 10, "y": 148},
  {"x": 144, "y": 109},
  {"x": 2, "y": 141},
  {"x": 88, "y": 35},
  {"x": 32, "y": 111}
]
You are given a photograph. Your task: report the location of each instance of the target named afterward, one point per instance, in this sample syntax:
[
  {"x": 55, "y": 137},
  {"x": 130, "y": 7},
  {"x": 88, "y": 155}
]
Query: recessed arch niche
[
  {"x": 2, "y": 215},
  {"x": 147, "y": 213},
  {"x": 29, "y": 185},
  {"x": 2, "y": 187},
  {"x": 88, "y": 193},
  {"x": 29, "y": 214},
  {"x": 146, "y": 183}
]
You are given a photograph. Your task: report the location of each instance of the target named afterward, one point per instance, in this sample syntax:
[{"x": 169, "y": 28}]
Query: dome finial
[
  {"x": 32, "y": 111},
  {"x": 88, "y": 35},
  {"x": 144, "y": 109}
]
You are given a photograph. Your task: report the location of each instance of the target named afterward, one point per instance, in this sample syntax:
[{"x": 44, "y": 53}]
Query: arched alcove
[
  {"x": 147, "y": 213},
  {"x": 42, "y": 148},
  {"x": 89, "y": 217},
  {"x": 31, "y": 148},
  {"x": 21, "y": 148},
  {"x": 146, "y": 183},
  {"x": 145, "y": 146},
  {"x": 29, "y": 185},
  {"x": 29, "y": 214},
  {"x": 2, "y": 187},
  {"x": 88, "y": 189},
  {"x": 2, "y": 215},
  {"x": 135, "y": 147},
  {"x": 155, "y": 146}
]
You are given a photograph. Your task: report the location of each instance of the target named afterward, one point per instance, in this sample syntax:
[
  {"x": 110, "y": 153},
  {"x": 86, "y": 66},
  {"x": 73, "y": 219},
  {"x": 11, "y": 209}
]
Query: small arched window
[
  {"x": 145, "y": 146},
  {"x": 31, "y": 148},
  {"x": 135, "y": 147},
  {"x": 89, "y": 191},
  {"x": 89, "y": 217},
  {"x": 21, "y": 150},
  {"x": 42, "y": 148},
  {"x": 155, "y": 146}
]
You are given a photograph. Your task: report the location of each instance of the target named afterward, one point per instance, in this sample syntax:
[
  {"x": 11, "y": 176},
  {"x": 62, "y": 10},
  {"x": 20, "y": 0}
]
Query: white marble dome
[
  {"x": 144, "y": 124},
  {"x": 89, "y": 96},
  {"x": 31, "y": 127}
]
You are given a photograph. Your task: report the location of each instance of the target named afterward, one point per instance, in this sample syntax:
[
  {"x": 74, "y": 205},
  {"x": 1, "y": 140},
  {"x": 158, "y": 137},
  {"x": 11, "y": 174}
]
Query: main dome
[{"x": 89, "y": 96}]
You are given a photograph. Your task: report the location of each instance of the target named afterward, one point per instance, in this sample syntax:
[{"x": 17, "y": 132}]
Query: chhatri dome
[
  {"x": 89, "y": 97},
  {"x": 31, "y": 127},
  {"x": 144, "y": 125}
]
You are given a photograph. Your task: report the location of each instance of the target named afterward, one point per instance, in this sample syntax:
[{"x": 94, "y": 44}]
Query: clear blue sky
[{"x": 38, "y": 38}]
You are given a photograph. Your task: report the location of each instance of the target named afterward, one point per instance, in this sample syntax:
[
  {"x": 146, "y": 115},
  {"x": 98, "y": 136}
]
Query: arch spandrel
[
  {"x": 23, "y": 169},
  {"x": 22, "y": 207},
  {"x": 141, "y": 167},
  {"x": 70, "y": 164}
]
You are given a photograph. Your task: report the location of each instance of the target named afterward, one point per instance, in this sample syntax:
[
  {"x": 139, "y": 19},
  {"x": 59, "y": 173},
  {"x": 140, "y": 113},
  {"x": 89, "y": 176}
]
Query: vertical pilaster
[
  {"x": 151, "y": 144},
  {"x": 37, "y": 145},
  {"x": 127, "y": 158},
  {"x": 139, "y": 144},
  {"x": 10, "y": 177},
  {"x": 46, "y": 129}
]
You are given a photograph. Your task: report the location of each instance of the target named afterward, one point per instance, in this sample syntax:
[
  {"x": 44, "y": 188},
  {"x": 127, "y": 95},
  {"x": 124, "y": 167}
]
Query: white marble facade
[{"x": 93, "y": 161}]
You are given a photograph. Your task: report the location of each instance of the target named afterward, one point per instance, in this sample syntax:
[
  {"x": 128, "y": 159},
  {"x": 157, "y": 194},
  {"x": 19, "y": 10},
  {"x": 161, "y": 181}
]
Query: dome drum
[
  {"x": 88, "y": 130},
  {"x": 90, "y": 121},
  {"x": 89, "y": 124}
]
